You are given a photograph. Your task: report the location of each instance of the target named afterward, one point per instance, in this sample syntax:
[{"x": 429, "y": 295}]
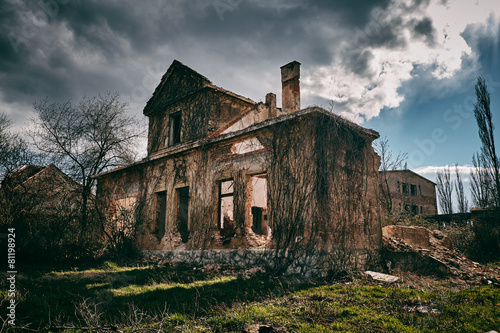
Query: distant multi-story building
[{"x": 408, "y": 192}]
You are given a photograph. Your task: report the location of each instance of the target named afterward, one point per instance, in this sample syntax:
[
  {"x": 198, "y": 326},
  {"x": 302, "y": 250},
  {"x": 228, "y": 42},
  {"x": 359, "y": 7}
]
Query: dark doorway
[
  {"x": 161, "y": 213},
  {"x": 182, "y": 212},
  {"x": 257, "y": 220}
]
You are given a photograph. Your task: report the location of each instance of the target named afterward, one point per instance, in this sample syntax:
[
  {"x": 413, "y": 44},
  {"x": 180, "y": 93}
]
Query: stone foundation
[{"x": 314, "y": 264}]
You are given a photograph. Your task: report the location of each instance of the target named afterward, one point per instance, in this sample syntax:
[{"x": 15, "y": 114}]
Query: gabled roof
[
  {"x": 410, "y": 172},
  {"x": 36, "y": 178},
  {"x": 49, "y": 174},
  {"x": 21, "y": 175},
  {"x": 179, "y": 82}
]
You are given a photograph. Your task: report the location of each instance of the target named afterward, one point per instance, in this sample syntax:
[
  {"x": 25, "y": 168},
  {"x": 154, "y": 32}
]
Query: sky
[{"x": 405, "y": 68}]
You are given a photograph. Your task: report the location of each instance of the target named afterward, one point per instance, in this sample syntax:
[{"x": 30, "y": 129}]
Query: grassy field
[{"x": 152, "y": 298}]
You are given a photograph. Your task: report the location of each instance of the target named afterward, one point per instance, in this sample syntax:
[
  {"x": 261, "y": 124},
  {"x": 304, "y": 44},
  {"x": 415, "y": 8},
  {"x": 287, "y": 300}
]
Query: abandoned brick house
[
  {"x": 411, "y": 192},
  {"x": 225, "y": 172},
  {"x": 38, "y": 191}
]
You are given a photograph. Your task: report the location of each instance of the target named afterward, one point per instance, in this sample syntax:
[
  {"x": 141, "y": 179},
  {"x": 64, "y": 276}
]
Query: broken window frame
[
  {"x": 221, "y": 196},
  {"x": 263, "y": 228},
  {"x": 405, "y": 188},
  {"x": 175, "y": 126},
  {"x": 413, "y": 189}
]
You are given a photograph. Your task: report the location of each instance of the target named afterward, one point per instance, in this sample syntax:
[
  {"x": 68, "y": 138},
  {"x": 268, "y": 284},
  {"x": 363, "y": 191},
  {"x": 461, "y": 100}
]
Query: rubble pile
[{"x": 450, "y": 263}]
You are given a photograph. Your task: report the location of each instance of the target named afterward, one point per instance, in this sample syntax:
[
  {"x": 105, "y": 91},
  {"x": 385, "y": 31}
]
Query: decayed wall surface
[
  {"x": 323, "y": 188},
  {"x": 200, "y": 170},
  {"x": 203, "y": 113},
  {"x": 319, "y": 195}
]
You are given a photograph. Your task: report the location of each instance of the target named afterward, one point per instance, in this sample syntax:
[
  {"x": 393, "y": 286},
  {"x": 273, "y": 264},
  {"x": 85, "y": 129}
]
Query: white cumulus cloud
[{"x": 372, "y": 64}]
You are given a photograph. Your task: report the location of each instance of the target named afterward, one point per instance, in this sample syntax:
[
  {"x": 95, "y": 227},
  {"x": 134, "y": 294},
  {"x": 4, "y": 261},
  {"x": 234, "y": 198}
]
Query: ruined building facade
[
  {"x": 225, "y": 172},
  {"x": 410, "y": 192}
]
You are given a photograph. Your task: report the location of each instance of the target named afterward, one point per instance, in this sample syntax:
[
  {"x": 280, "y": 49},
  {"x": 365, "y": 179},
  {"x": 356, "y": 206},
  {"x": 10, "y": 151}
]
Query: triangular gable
[
  {"x": 49, "y": 176},
  {"x": 178, "y": 82},
  {"x": 21, "y": 175}
]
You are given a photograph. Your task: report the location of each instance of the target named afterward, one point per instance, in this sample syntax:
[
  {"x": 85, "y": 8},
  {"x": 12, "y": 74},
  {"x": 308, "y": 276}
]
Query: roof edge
[
  {"x": 410, "y": 171},
  {"x": 168, "y": 151}
]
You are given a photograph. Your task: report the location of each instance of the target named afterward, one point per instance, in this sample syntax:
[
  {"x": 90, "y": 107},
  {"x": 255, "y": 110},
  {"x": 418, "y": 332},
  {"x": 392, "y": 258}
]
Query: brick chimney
[
  {"x": 271, "y": 105},
  {"x": 290, "y": 87}
]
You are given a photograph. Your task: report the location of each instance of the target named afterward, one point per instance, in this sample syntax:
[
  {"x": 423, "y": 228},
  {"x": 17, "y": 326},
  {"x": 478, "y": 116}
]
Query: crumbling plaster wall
[
  {"x": 200, "y": 170},
  {"x": 322, "y": 189},
  {"x": 323, "y": 186},
  {"x": 348, "y": 166}
]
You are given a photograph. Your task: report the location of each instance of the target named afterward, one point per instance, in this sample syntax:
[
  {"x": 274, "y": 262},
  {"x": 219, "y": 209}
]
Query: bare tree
[
  {"x": 86, "y": 139},
  {"x": 463, "y": 203},
  {"x": 445, "y": 191},
  {"x": 481, "y": 182},
  {"x": 39, "y": 205},
  {"x": 483, "y": 115},
  {"x": 14, "y": 151},
  {"x": 388, "y": 162}
]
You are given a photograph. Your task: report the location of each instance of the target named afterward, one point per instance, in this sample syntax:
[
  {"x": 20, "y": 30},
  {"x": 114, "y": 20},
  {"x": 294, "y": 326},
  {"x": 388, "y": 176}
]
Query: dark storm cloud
[
  {"x": 46, "y": 44},
  {"x": 352, "y": 13},
  {"x": 387, "y": 35},
  {"x": 7, "y": 19},
  {"x": 385, "y": 32},
  {"x": 90, "y": 20},
  {"x": 359, "y": 62},
  {"x": 425, "y": 29}
]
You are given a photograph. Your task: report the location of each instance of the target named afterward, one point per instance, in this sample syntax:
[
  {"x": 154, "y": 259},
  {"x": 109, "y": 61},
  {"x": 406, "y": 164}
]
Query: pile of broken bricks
[{"x": 430, "y": 245}]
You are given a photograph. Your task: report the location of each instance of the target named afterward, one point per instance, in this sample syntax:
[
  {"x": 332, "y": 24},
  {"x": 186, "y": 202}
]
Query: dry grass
[{"x": 149, "y": 298}]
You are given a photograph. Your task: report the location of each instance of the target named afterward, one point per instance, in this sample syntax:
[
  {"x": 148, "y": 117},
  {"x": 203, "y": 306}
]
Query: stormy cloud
[{"x": 357, "y": 54}]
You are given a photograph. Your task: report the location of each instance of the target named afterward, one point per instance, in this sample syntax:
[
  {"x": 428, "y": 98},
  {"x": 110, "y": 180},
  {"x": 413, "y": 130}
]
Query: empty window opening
[
  {"x": 259, "y": 204},
  {"x": 419, "y": 190},
  {"x": 175, "y": 121},
  {"x": 413, "y": 189},
  {"x": 226, "y": 208},
  {"x": 414, "y": 209},
  {"x": 182, "y": 212},
  {"x": 405, "y": 188},
  {"x": 399, "y": 187},
  {"x": 161, "y": 213}
]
